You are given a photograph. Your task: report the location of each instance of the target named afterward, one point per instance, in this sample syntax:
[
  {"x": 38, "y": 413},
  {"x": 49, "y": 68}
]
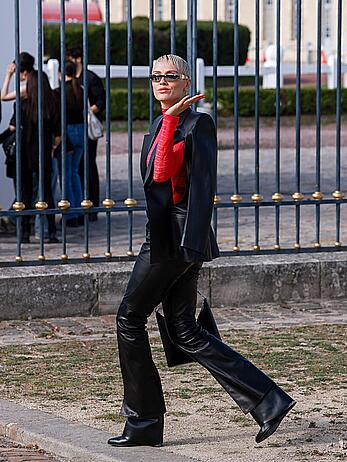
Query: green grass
[{"x": 305, "y": 357}]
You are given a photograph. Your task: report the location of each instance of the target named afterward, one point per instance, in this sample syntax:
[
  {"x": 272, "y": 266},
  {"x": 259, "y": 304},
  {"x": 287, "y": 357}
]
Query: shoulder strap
[{"x": 201, "y": 295}]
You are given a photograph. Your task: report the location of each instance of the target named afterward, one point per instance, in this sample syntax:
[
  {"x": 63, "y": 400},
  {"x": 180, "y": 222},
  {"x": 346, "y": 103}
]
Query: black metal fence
[{"x": 255, "y": 201}]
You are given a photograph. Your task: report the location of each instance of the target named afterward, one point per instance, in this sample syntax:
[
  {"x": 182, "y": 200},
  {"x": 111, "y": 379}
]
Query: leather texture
[
  {"x": 174, "y": 355},
  {"x": 178, "y": 239},
  {"x": 140, "y": 432},
  {"x": 270, "y": 412},
  {"x": 176, "y": 283}
]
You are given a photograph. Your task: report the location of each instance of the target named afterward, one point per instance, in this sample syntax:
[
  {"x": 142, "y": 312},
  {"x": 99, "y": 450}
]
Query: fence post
[
  {"x": 201, "y": 106},
  {"x": 332, "y": 74},
  {"x": 200, "y": 75},
  {"x": 269, "y": 78},
  {"x": 52, "y": 72}
]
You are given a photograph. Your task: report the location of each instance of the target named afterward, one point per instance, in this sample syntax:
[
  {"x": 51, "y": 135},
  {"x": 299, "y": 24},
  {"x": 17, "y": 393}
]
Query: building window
[
  {"x": 229, "y": 10},
  {"x": 326, "y": 19},
  {"x": 269, "y": 21},
  {"x": 160, "y": 10},
  {"x": 125, "y": 10},
  {"x": 294, "y": 16}
]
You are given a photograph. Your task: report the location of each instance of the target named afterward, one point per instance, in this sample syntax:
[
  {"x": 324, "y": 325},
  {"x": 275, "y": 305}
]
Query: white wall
[{"x": 28, "y": 43}]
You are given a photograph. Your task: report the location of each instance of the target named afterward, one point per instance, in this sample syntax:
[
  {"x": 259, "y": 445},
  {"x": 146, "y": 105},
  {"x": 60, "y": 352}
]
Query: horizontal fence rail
[{"x": 268, "y": 195}]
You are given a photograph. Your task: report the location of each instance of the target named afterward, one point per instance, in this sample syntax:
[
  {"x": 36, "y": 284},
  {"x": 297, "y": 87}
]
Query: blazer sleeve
[{"x": 202, "y": 184}]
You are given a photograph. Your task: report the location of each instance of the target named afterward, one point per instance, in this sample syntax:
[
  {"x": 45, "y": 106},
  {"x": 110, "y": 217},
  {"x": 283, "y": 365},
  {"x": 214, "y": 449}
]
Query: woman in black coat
[
  {"x": 178, "y": 167},
  {"x": 30, "y": 149}
]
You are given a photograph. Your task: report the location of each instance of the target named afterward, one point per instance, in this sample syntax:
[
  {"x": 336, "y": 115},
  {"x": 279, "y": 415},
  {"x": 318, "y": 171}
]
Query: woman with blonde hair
[{"x": 178, "y": 167}]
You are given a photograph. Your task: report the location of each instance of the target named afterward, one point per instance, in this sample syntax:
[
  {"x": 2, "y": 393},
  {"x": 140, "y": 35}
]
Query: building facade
[{"x": 226, "y": 9}]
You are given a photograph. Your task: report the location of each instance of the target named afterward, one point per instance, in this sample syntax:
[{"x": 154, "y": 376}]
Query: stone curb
[
  {"x": 72, "y": 441},
  {"x": 97, "y": 288}
]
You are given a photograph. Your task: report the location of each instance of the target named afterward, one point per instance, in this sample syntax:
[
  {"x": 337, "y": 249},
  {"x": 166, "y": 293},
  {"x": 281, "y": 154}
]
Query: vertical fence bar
[
  {"x": 298, "y": 196},
  {"x": 40, "y": 204},
  {"x": 194, "y": 45},
  {"x": 215, "y": 99},
  {"x": 63, "y": 203},
  {"x": 86, "y": 203},
  {"x": 256, "y": 197},
  {"x": 173, "y": 28},
  {"x": 130, "y": 201},
  {"x": 338, "y": 194},
  {"x": 317, "y": 195},
  {"x": 150, "y": 58},
  {"x": 277, "y": 196},
  {"x": 189, "y": 36},
  {"x": 215, "y": 61},
  {"x": 236, "y": 198},
  {"x": 108, "y": 202},
  {"x": 18, "y": 205}
]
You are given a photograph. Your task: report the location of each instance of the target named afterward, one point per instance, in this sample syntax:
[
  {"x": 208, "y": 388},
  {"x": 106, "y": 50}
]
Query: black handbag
[
  {"x": 8, "y": 140},
  {"x": 174, "y": 355}
]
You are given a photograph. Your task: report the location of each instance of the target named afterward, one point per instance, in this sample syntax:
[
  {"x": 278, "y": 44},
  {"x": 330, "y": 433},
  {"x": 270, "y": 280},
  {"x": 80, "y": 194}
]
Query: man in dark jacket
[{"x": 97, "y": 101}]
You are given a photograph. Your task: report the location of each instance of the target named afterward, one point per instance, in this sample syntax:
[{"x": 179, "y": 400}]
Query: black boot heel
[{"x": 140, "y": 432}]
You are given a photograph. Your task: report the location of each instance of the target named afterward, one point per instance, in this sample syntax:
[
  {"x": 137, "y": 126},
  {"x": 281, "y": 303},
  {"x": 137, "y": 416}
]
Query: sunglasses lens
[
  {"x": 167, "y": 77},
  {"x": 171, "y": 77}
]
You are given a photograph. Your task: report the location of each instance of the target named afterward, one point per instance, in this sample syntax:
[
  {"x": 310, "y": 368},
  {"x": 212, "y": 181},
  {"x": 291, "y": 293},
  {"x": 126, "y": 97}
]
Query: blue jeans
[
  {"x": 73, "y": 181},
  {"x": 55, "y": 195}
]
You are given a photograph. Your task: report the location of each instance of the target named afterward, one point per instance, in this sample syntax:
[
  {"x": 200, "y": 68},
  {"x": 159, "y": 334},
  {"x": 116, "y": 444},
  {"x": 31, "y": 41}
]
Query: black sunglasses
[{"x": 167, "y": 77}]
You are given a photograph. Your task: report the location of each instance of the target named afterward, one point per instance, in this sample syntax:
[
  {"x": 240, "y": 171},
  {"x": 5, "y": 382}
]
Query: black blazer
[{"x": 184, "y": 229}]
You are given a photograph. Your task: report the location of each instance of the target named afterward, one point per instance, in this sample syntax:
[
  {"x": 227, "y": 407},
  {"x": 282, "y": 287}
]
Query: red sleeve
[{"x": 169, "y": 158}]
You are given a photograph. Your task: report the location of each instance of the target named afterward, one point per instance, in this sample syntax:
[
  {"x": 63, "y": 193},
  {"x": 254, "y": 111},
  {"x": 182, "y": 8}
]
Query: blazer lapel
[
  {"x": 150, "y": 165},
  {"x": 144, "y": 152}
]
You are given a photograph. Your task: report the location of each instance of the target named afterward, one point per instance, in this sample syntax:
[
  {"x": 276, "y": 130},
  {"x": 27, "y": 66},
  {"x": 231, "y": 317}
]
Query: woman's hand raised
[
  {"x": 183, "y": 104},
  {"x": 11, "y": 69}
]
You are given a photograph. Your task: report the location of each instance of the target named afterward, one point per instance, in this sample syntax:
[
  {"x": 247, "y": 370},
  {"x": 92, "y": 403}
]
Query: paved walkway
[
  {"x": 119, "y": 186},
  {"x": 226, "y": 237},
  {"x": 40, "y": 331}
]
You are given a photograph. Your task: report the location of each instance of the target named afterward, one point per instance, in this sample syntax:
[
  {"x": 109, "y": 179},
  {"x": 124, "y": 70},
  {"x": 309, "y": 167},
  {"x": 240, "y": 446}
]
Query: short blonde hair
[{"x": 181, "y": 65}]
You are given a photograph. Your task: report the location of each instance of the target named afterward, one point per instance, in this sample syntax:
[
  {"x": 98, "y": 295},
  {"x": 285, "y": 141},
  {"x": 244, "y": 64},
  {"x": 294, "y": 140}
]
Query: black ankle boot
[
  {"x": 140, "y": 432},
  {"x": 270, "y": 411}
]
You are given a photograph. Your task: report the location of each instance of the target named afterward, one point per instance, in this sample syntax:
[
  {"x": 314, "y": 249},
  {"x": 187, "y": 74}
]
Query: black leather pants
[{"x": 175, "y": 284}]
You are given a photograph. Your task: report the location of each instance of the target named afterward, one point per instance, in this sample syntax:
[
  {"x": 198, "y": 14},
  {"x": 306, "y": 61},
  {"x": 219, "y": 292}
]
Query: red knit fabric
[{"x": 169, "y": 158}]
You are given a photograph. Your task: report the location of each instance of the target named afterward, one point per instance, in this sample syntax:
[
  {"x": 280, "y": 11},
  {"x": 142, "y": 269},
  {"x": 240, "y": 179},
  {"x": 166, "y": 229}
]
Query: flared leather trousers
[{"x": 174, "y": 283}]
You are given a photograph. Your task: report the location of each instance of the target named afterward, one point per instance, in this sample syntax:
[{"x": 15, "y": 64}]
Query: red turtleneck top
[{"x": 169, "y": 158}]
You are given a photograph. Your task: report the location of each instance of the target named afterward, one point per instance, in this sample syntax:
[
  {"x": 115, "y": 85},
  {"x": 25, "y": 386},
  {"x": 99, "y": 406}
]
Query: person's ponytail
[
  {"x": 77, "y": 93},
  {"x": 77, "y": 90}
]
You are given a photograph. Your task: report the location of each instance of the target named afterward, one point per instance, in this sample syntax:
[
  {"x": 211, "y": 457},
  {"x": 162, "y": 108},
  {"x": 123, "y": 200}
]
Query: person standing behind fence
[
  {"x": 97, "y": 101},
  {"x": 30, "y": 149},
  {"x": 26, "y": 66},
  {"x": 74, "y": 131}
]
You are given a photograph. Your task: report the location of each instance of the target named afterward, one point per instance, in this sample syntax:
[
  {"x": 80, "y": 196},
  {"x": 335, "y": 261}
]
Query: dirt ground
[{"x": 79, "y": 379}]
